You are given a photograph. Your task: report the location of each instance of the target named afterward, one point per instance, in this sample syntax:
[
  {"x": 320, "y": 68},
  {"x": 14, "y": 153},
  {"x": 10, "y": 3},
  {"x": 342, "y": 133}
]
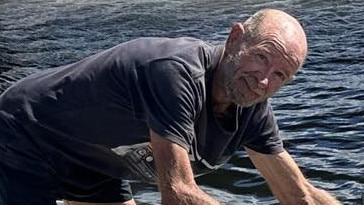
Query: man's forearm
[
  {"x": 186, "y": 195},
  {"x": 175, "y": 175},
  {"x": 287, "y": 182},
  {"x": 321, "y": 197}
]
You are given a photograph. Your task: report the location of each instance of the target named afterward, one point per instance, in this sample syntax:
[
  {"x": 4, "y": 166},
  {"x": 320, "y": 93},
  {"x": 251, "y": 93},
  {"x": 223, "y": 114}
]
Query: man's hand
[
  {"x": 175, "y": 176},
  {"x": 287, "y": 182}
]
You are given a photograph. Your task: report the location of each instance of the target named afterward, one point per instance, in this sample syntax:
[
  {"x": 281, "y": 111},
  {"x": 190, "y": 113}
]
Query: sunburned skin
[
  {"x": 272, "y": 44},
  {"x": 255, "y": 67},
  {"x": 259, "y": 72}
]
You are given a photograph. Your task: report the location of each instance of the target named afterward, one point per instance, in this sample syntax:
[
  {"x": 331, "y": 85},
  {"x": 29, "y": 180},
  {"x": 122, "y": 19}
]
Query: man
[{"x": 156, "y": 109}]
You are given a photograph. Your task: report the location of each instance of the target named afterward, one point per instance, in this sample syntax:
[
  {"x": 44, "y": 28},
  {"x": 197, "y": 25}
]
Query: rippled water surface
[{"x": 320, "y": 113}]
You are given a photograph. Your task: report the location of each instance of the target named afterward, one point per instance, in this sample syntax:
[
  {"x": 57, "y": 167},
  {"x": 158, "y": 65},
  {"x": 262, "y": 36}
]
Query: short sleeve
[
  {"x": 262, "y": 134},
  {"x": 169, "y": 94}
]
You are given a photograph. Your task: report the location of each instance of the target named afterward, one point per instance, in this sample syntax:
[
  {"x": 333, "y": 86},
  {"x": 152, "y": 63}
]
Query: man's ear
[{"x": 235, "y": 35}]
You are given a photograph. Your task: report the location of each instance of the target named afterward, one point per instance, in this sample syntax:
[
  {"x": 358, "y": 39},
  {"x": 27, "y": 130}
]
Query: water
[{"x": 320, "y": 113}]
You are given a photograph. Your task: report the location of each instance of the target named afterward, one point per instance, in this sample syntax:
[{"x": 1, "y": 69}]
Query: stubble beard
[
  {"x": 233, "y": 85},
  {"x": 238, "y": 96}
]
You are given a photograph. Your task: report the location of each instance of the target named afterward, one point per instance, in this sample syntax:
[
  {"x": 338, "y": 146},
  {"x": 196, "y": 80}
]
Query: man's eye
[
  {"x": 280, "y": 75},
  {"x": 263, "y": 58}
]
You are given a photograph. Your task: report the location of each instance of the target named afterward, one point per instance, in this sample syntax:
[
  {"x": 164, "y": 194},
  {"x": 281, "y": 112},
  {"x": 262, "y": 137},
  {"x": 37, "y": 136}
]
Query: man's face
[{"x": 257, "y": 72}]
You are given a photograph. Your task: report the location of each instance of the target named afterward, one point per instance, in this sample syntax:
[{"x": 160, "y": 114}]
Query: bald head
[
  {"x": 260, "y": 56},
  {"x": 276, "y": 27}
]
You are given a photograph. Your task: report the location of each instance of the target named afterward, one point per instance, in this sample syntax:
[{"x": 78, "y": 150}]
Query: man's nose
[
  {"x": 263, "y": 82},
  {"x": 263, "y": 77}
]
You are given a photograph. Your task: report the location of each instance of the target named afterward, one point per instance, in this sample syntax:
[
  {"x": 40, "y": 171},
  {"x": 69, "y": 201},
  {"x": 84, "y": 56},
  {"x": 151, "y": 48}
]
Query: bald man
[{"x": 159, "y": 110}]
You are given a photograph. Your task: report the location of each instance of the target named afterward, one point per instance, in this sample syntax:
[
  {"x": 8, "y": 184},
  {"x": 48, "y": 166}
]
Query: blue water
[{"x": 320, "y": 113}]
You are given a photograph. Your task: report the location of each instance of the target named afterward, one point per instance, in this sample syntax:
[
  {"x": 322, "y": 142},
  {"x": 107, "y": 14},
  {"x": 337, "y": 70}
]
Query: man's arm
[
  {"x": 175, "y": 176},
  {"x": 286, "y": 180}
]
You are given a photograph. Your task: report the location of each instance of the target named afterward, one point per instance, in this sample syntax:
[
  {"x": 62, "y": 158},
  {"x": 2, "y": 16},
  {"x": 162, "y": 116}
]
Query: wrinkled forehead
[
  {"x": 274, "y": 44},
  {"x": 285, "y": 35}
]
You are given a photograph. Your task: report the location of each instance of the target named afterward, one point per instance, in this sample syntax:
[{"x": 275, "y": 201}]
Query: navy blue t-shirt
[{"x": 80, "y": 112}]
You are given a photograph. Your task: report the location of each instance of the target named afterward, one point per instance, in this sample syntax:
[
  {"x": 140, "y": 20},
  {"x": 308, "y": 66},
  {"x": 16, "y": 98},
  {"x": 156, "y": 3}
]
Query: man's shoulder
[
  {"x": 182, "y": 40},
  {"x": 165, "y": 43},
  {"x": 191, "y": 54}
]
